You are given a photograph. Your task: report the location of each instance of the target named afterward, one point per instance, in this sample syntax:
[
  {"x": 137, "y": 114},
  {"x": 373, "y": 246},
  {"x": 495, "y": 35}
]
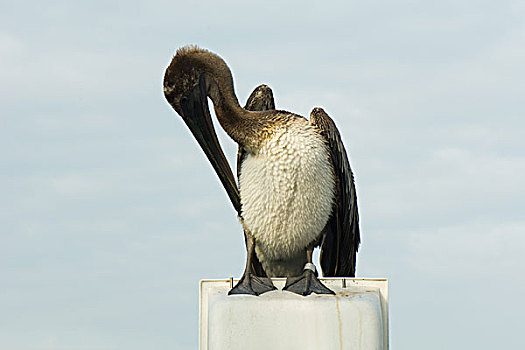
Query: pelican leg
[
  {"x": 249, "y": 282},
  {"x": 308, "y": 282}
]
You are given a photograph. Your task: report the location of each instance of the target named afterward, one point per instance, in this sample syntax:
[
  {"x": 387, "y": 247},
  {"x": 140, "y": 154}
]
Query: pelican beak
[{"x": 196, "y": 115}]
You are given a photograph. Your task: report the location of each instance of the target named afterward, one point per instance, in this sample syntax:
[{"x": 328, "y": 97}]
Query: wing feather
[{"x": 342, "y": 237}]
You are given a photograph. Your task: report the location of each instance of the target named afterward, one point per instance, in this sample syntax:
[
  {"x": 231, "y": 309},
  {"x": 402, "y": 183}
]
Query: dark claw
[
  {"x": 252, "y": 285},
  {"x": 306, "y": 284}
]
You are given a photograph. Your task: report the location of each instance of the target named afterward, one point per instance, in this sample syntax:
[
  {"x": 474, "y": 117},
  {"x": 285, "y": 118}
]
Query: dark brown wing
[
  {"x": 341, "y": 240},
  {"x": 261, "y": 99}
]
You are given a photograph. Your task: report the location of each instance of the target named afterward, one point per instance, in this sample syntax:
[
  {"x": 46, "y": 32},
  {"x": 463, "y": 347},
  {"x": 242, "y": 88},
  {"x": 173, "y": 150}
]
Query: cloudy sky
[{"x": 111, "y": 214}]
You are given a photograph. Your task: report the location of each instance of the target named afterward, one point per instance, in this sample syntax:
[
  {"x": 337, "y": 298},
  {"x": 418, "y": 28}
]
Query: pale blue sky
[{"x": 111, "y": 213}]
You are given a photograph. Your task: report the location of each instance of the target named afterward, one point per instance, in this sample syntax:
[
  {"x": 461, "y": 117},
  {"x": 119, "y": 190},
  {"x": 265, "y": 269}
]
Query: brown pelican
[{"x": 296, "y": 186}]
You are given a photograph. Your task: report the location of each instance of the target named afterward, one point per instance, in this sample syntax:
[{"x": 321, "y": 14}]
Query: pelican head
[
  {"x": 190, "y": 78},
  {"x": 193, "y": 67}
]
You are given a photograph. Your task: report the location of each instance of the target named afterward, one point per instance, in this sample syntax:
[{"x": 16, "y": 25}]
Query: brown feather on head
[
  {"x": 186, "y": 68},
  {"x": 181, "y": 75}
]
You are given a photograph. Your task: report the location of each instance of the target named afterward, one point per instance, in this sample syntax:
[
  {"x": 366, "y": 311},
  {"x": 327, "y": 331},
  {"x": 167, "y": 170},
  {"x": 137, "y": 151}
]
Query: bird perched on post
[{"x": 296, "y": 188}]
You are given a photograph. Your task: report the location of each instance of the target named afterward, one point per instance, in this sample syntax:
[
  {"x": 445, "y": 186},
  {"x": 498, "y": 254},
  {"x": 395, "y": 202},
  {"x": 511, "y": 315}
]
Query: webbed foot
[
  {"x": 306, "y": 284},
  {"x": 252, "y": 285}
]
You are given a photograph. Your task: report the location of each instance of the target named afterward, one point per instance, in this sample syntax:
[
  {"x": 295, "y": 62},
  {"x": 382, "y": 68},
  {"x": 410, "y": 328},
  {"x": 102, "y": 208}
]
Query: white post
[{"x": 355, "y": 318}]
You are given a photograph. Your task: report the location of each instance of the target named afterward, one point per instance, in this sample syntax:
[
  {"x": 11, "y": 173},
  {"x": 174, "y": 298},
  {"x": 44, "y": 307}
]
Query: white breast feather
[{"x": 287, "y": 191}]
